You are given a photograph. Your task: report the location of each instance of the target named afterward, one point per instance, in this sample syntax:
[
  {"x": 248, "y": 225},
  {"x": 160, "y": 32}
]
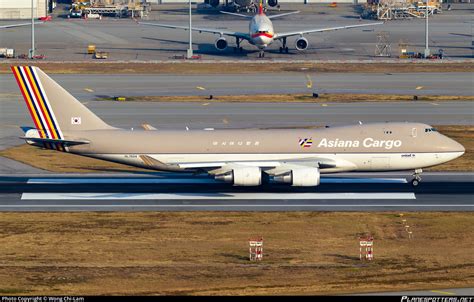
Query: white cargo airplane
[
  {"x": 242, "y": 157},
  {"x": 261, "y": 33}
]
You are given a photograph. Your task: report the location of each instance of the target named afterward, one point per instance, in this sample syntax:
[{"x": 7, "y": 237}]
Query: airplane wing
[
  {"x": 235, "y": 14},
  {"x": 50, "y": 140},
  {"x": 284, "y": 14},
  {"x": 200, "y": 30},
  {"x": 271, "y": 167},
  {"x": 17, "y": 25},
  {"x": 308, "y": 31}
]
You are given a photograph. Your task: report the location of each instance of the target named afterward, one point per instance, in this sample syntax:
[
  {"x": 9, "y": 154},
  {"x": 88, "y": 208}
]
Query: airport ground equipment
[
  {"x": 256, "y": 249},
  {"x": 91, "y": 49},
  {"x": 399, "y": 9},
  {"x": 383, "y": 47},
  {"x": 7, "y": 53},
  {"x": 101, "y": 55},
  {"x": 366, "y": 248}
]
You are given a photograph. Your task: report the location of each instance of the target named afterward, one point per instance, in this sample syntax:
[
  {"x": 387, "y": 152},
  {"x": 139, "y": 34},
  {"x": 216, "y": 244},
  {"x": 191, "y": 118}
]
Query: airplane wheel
[
  {"x": 415, "y": 182},
  {"x": 235, "y": 49},
  {"x": 281, "y": 49},
  {"x": 286, "y": 49},
  {"x": 241, "y": 49}
]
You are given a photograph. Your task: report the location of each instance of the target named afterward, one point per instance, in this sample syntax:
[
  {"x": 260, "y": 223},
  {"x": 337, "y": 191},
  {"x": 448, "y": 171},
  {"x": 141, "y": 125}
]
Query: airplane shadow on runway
[{"x": 438, "y": 188}]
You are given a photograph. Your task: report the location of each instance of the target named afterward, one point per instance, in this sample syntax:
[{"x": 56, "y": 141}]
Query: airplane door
[{"x": 380, "y": 163}]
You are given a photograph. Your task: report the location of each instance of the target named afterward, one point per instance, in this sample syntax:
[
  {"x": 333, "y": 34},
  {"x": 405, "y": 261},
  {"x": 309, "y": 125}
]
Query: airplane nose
[{"x": 454, "y": 146}]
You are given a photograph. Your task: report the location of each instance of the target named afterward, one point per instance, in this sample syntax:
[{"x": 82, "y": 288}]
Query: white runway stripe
[
  {"x": 213, "y": 196},
  {"x": 188, "y": 180}
]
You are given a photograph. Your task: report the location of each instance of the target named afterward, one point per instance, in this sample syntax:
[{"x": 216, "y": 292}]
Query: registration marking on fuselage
[{"x": 217, "y": 196}]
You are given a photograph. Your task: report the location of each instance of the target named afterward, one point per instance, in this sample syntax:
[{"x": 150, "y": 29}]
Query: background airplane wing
[
  {"x": 235, "y": 14},
  {"x": 308, "y": 31},
  {"x": 200, "y": 30},
  {"x": 18, "y": 25},
  {"x": 281, "y": 15}
]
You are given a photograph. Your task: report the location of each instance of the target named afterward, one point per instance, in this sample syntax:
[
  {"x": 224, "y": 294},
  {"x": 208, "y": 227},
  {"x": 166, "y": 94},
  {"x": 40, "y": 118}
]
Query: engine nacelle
[
  {"x": 246, "y": 176},
  {"x": 221, "y": 44},
  {"x": 214, "y": 3},
  {"x": 272, "y": 3},
  {"x": 304, "y": 177},
  {"x": 301, "y": 43}
]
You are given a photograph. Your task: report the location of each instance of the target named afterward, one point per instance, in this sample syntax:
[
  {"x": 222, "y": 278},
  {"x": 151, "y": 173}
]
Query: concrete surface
[{"x": 64, "y": 39}]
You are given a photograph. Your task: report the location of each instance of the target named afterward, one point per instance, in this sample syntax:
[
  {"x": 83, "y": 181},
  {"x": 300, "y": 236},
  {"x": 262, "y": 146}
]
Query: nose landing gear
[
  {"x": 416, "y": 177},
  {"x": 261, "y": 54}
]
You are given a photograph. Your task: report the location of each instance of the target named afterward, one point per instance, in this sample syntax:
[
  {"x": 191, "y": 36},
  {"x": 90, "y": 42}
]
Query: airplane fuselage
[
  {"x": 371, "y": 147},
  {"x": 261, "y": 31}
]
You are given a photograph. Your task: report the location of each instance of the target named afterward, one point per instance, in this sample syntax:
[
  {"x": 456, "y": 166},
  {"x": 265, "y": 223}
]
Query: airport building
[{"x": 21, "y": 9}]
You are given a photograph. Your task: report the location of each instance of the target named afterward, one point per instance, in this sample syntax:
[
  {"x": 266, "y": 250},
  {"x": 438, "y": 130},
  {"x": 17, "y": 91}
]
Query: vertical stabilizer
[{"x": 52, "y": 108}]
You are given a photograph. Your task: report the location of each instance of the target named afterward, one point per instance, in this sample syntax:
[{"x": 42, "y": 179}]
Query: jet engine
[
  {"x": 214, "y": 3},
  {"x": 272, "y": 3},
  {"x": 246, "y": 176},
  {"x": 221, "y": 44},
  {"x": 301, "y": 43},
  {"x": 303, "y": 177}
]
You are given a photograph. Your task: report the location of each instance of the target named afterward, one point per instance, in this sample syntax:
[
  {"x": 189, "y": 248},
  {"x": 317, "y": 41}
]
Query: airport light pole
[
  {"x": 32, "y": 50},
  {"x": 427, "y": 49},
  {"x": 190, "y": 49}
]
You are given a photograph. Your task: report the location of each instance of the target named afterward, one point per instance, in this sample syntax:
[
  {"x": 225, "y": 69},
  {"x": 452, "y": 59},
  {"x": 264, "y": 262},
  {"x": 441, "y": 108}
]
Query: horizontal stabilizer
[{"x": 58, "y": 141}]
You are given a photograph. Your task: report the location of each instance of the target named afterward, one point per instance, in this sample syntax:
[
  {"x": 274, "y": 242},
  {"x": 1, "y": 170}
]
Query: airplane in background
[
  {"x": 261, "y": 33},
  {"x": 249, "y": 5},
  {"x": 242, "y": 157}
]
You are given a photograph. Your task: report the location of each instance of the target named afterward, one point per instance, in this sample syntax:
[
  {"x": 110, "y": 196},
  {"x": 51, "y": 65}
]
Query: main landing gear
[
  {"x": 416, "y": 177},
  {"x": 284, "y": 48},
  {"x": 261, "y": 54},
  {"x": 238, "y": 48}
]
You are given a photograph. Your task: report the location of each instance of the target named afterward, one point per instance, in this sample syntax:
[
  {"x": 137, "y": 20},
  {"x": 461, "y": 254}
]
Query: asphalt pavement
[{"x": 185, "y": 192}]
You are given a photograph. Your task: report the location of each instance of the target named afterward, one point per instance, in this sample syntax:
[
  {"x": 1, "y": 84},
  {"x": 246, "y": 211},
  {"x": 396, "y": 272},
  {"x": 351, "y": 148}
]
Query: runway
[
  {"x": 90, "y": 86},
  {"x": 178, "y": 192}
]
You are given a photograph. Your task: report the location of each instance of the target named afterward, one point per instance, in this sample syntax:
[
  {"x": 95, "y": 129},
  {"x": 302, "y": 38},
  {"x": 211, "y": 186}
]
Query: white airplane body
[{"x": 261, "y": 32}]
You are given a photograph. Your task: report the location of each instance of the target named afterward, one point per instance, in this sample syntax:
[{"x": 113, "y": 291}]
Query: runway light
[{"x": 200, "y": 88}]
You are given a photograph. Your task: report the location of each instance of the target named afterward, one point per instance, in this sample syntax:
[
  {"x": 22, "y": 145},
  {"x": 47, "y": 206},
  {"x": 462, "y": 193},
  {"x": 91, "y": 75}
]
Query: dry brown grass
[
  {"x": 144, "y": 253},
  {"x": 298, "y": 98},
  {"x": 64, "y": 162},
  {"x": 236, "y": 68}
]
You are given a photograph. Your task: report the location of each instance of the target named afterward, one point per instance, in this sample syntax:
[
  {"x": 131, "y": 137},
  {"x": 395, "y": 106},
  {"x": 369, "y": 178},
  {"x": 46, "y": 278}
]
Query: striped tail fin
[{"x": 53, "y": 110}]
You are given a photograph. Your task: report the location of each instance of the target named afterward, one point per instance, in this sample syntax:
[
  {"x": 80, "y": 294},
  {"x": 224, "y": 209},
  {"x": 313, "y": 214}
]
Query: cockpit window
[{"x": 430, "y": 130}]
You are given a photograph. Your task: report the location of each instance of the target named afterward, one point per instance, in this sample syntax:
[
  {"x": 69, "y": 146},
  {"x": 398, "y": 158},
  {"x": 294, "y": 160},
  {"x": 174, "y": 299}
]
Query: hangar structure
[{"x": 21, "y": 9}]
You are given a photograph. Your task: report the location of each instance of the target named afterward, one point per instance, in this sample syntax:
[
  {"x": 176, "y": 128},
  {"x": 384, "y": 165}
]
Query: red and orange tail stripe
[{"x": 38, "y": 105}]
